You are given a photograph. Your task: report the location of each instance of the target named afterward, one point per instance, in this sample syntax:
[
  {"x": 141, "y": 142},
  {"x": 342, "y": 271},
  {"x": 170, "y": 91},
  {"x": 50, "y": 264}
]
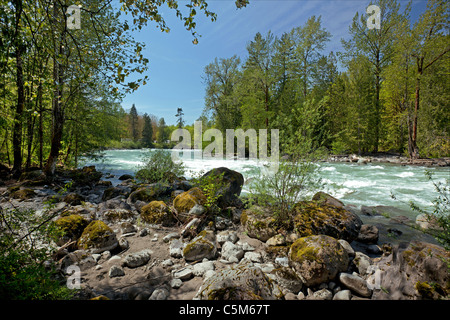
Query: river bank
[{"x": 146, "y": 254}]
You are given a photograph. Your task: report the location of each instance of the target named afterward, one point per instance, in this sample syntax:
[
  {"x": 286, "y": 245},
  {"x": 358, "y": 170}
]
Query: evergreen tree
[
  {"x": 162, "y": 134},
  {"x": 179, "y": 115},
  {"x": 147, "y": 132},
  {"x": 133, "y": 118}
]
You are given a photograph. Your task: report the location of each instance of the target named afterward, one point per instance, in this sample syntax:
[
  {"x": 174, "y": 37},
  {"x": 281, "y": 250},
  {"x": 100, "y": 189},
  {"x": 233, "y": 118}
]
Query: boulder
[
  {"x": 97, "y": 237},
  {"x": 317, "y": 259},
  {"x": 113, "y": 192},
  {"x": 420, "y": 271},
  {"x": 324, "y": 198},
  {"x": 72, "y": 227},
  {"x": 137, "y": 259},
  {"x": 184, "y": 202},
  {"x": 259, "y": 223},
  {"x": 311, "y": 218},
  {"x": 125, "y": 177},
  {"x": 232, "y": 252},
  {"x": 152, "y": 192},
  {"x": 116, "y": 215},
  {"x": 243, "y": 282},
  {"x": 230, "y": 184},
  {"x": 355, "y": 284},
  {"x": 202, "y": 246},
  {"x": 287, "y": 278},
  {"x": 368, "y": 234},
  {"x": 73, "y": 199},
  {"x": 87, "y": 176},
  {"x": 157, "y": 212},
  {"x": 23, "y": 194}
]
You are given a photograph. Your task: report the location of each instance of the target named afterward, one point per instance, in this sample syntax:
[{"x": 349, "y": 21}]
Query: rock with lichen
[
  {"x": 317, "y": 259},
  {"x": 312, "y": 218},
  {"x": 97, "y": 237}
]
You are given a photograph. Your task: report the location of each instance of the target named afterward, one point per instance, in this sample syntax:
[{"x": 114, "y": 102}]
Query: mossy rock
[
  {"x": 230, "y": 183},
  {"x": 312, "y": 218},
  {"x": 157, "y": 212},
  {"x": 97, "y": 237},
  {"x": 259, "y": 223},
  {"x": 150, "y": 193},
  {"x": 324, "y": 198},
  {"x": 317, "y": 259},
  {"x": 202, "y": 246},
  {"x": 184, "y": 202},
  {"x": 72, "y": 226},
  {"x": 86, "y": 176},
  {"x": 23, "y": 194},
  {"x": 116, "y": 215},
  {"x": 243, "y": 282},
  {"x": 74, "y": 199}
]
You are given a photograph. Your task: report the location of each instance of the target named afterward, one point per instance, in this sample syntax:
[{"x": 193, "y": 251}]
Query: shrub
[
  {"x": 293, "y": 181},
  {"x": 159, "y": 167}
]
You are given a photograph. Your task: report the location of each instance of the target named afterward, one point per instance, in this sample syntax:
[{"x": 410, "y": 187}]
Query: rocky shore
[
  {"x": 390, "y": 158},
  {"x": 160, "y": 242}
]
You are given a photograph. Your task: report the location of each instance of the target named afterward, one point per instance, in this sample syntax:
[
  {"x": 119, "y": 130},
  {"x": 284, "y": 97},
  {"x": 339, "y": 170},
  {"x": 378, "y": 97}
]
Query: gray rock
[
  {"x": 176, "y": 283},
  {"x": 227, "y": 235},
  {"x": 116, "y": 271},
  {"x": 343, "y": 295},
  {"x": 232, "y": 252},
  {"x": 167, "y": 263},
  {"x": 254, "y": 257},
  {"x": 243, "y": 282},
  {"x": 362, "y": 262},
  {"x": 159, "y": 294},
  {"x": 123, "y": 243},
  {"x": 176, "y": 248},
  {"x": 347, "y": 247},
  {"x": 197, "y": 210},
  {"x": 170, "y": 236},
  {"x": 143, "y": 232},
  {"x": 368, "y": 234},
  {"x": 183, "y": 274},
  {"x": 355, "y": 283},
  {"x": 322, "y": 294},
  {"x": 202, "y": 246},
  {"x": 137, "y": 259},
  {"x": 199, "y": 269}
]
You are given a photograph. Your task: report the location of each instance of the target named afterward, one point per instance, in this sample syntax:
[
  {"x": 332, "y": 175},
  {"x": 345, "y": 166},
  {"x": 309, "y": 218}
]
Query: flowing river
[{"x": 358, "y": 184}]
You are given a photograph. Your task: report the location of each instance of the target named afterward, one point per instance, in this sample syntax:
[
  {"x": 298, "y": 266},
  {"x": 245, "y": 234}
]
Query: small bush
[{"x": 159, "y": 167}]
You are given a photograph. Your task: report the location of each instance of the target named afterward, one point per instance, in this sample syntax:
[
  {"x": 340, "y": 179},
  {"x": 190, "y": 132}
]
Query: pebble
[{"x": 176, "y": 283}]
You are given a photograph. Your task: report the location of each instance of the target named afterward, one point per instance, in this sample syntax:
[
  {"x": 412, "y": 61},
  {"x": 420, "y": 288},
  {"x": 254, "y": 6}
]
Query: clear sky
[{"x": 176, "y": 64}]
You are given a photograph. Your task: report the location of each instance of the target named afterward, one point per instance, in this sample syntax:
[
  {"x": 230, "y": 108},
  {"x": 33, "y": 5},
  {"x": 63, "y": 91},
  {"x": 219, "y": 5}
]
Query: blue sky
[{"x": 176, "y": 64}]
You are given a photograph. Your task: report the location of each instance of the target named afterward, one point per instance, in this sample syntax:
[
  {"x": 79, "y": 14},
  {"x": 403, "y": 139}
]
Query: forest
[{"x": 61, "y": 88}]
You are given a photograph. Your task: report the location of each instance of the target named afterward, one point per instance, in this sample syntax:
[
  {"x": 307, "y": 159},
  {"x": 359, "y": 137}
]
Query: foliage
[
  {"x": 159, "y": 167},
  {"x": 26, "y": 247},
  {"x": 294, "y": 181},
  {"x": 440, "y": 216},
  {"x": 210, "y": 186}
]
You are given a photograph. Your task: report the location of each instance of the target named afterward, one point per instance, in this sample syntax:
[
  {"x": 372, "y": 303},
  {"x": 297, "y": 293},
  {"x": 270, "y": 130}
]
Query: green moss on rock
[
  {"x": 72, "y": 226},
  {"x": 188, "y": 199},
  {"x": 98, "y": 237}
]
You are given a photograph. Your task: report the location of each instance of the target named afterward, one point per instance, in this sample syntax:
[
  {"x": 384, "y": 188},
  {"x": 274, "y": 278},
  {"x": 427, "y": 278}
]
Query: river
[{"x": 358, "y": 184}]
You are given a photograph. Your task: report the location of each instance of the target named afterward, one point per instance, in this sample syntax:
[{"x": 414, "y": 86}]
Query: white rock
[
  {"x": 343, "y": 295},
  {"x": 199, "y": 269},
  {"x": 232, "y": 252},
  {"x": 183, "y": 274},
  {"x": 137, "y": 259},
  {"x": 253, "y": 256},
  {"x": 176, "y": 283}
]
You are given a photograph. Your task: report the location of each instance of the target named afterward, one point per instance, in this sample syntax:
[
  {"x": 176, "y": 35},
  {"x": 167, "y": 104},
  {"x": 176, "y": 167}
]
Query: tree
[
  {"x": 309, "y": 40},
  {"x": 147, "y": 132},
  {"x": 162, "y": 134},
  {"x": 133, "y": 118},
  {"x": 431, "y": 45},
  {"x": 377, "y": 46},
  {"x": 221, "y": 78},
  {"x": 179, "y": 115}
]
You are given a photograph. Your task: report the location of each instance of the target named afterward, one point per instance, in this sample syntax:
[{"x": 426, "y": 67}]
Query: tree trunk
[{"x": 17, "y": 129}]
